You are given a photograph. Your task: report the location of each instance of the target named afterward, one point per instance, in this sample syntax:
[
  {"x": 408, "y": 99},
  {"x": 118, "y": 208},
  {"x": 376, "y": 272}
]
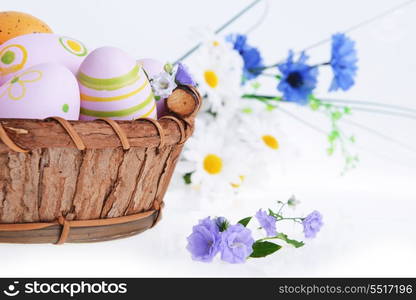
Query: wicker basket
[{"x": 76, "y": 181}]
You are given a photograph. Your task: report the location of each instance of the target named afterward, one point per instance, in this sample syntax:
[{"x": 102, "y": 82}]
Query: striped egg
[{"x": 114, "y": 86}]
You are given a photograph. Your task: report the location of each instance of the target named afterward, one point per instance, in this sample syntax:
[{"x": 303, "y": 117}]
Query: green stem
[
  {"x": 262, "y": 97},
  {"x": 268, "y": 238}
]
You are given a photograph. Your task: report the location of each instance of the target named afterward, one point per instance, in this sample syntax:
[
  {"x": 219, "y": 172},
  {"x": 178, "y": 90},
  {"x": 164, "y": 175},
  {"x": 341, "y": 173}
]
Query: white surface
[{"x": 369, "y": 214}]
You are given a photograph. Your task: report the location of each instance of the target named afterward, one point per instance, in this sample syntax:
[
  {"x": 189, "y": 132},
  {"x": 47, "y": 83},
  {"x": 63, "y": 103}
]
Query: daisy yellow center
[
  {"x": 215, "y": 43},
  {"x": 270, "y": 141},
  {"x": 211, "y": 78},
  {"x": 237, "y": 185},
  {"x": 212, "y": 164},
  {"x": 75, "y": 46}
]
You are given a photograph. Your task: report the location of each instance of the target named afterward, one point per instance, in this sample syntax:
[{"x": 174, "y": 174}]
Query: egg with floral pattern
[
  {"x": 32, "y": 49},
  {"x": 114, "y": 85},
  {"x": 42, "y": 91}
]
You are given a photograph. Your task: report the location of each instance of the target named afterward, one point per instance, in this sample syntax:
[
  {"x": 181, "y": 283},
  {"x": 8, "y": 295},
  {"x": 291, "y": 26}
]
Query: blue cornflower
[
  {"x": 298, "y": 79},
  {"x": 253, "y": 62},
  {"x": 343, "y": 62}
]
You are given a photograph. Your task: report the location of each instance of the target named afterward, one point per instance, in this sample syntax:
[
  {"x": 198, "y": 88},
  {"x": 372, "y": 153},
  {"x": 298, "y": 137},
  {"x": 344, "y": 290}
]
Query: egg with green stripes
[{"x": 113, "y": 85}]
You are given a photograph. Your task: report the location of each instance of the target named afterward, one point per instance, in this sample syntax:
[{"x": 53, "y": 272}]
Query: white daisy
[
  {"x": 218, "y": 69},
  {"x": 215, "y": 160},
  {"x": 262, "y": 133}
]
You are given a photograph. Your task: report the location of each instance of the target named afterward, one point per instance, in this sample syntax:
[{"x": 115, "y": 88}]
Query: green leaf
[
  {"x": 333, "y": 136},
  {"x": 314, "y": 103},
  {"x": 247, "y": 110},
  {"x": 336, "y": 115},
  {"x": 347, "y": 110},
  {"x": 187, "y": 178},
  {"x": 273, "y": 214},
  {"x": 263, "y": 249},
  {"x": 270, "y": 107},
  {"x": 330, "y": 151},
  {"x": 245, "y": 221},
  {"x": 294, "y": 243},
  {"x": 256, "y": 85}
]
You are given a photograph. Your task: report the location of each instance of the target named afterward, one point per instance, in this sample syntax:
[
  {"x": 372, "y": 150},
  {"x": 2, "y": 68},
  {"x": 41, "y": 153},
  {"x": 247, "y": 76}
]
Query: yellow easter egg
[{"x": 13, "y": 24}]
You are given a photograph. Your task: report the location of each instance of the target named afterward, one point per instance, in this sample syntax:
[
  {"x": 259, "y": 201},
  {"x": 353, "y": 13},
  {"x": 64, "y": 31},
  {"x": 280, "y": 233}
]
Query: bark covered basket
[{"x": 87, "y": 181}]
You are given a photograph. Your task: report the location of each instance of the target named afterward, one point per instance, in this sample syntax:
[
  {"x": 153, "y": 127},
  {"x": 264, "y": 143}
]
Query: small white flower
[{"x": 163, "y": 84}]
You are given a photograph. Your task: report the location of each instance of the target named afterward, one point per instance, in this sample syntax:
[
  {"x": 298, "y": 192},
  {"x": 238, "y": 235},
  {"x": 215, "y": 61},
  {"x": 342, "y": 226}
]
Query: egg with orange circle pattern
[{"x": 32, "y": 49}]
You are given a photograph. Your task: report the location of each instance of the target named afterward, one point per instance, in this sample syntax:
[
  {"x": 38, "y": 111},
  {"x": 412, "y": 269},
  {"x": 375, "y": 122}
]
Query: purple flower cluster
[{"x": 235, "y": 243}]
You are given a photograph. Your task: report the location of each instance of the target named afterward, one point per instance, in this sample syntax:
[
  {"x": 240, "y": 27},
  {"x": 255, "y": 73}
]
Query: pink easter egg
[
  {"x": 39, "y": 92},
  {"x": 153, "y": 67},
  {"x": 25, "y": 51},
  {"x": 114, "y": 86}
]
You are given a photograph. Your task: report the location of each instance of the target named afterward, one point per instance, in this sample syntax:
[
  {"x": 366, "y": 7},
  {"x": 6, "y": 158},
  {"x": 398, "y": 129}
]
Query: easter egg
[
  {"x": 114, "y": 86},
  {"x": 32, "y": 49},
  {"x": 14, "y": 23},
  {"x": 39, "y": 92},
  {"x": 153, "y": 67}
]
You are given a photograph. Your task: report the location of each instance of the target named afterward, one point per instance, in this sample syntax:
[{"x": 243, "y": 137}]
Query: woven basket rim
[{"x": 22, "y": 135}]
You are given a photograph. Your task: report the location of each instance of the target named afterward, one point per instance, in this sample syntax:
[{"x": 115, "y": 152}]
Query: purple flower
[
  {"x": 183, "y": 76},
  {"x": 312, "y": 224},
  {"x": 268, "y": 222},
  {"x": 204, "y": 241},
  {"x": 236, "y": 244}
]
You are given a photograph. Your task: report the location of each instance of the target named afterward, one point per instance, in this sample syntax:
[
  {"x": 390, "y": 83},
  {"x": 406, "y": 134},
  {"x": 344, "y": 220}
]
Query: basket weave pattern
[{"x": 82, "y": 181}]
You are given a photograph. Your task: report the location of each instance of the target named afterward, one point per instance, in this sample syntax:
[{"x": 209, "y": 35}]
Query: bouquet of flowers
[{"x": 238, "y": 128}]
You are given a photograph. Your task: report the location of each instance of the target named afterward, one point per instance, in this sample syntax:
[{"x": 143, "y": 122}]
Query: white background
[{"x": 369, "y": 214}]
